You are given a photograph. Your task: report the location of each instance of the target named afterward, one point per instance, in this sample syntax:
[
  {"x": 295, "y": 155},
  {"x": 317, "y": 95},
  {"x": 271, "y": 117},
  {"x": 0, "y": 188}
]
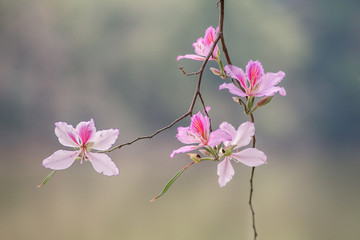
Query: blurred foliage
[
  {"x": 115, "y": 61},
  {"x": 77, "y": 59}
]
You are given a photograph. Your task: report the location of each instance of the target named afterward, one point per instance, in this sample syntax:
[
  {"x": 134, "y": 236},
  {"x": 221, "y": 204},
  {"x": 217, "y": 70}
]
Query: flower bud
[
  {"x": 227, "y": 151},
  {"x": 264, "y": 101},
  {"x": 195, "y": 157},
  {"x": 215, "y": 71}
]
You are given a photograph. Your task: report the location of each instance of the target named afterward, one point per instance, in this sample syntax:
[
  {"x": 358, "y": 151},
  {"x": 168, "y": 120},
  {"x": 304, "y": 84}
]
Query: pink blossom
[
  {"x": 255, "y": 83},
  {"x": 203, "y": 46},
  {"x": 83, "y": 138},
  {"x": 199, "y": 133},
  {"x": 250, "y": 156}
]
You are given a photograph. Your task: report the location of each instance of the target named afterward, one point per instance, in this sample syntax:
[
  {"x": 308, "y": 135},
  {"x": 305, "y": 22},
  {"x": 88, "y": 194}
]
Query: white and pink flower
[
  {"x": 199, "y": 133},
  {"x": 203, "y": 46},
  {"x": 83, "y": 138},
  {"x": 255, "y": 83},
  {"x": 241, "y": 137}
]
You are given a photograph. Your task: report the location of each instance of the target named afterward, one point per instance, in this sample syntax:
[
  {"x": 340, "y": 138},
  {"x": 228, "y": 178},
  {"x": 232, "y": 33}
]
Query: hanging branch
[
  {"x": 197, "y": 94},
  {"x": 228, "y": 60},
  {"x": 221, "y": 30}
]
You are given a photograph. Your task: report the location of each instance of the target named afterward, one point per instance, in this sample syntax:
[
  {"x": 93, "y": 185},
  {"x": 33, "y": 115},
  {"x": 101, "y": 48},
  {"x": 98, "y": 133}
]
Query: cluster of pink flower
[
  {"x": 221, "y": 145},
  {"x": 255, "y": 83}
]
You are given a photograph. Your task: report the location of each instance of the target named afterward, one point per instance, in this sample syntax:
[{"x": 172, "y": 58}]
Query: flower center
[{"x": 198, "y": 128}]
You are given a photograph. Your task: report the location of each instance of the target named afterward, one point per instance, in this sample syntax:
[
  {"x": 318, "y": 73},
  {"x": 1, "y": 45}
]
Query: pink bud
[
  {"x": 264, "y": 101},
  {"x": 215, "y": 71}
]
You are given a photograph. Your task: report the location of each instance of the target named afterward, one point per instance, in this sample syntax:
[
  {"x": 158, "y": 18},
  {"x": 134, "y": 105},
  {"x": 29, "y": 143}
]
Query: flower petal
[
  {"x": 66, "y": 134},
  {"x": 184, "y": 150},
  {"x": 207, "y": 109},
  {"x": 61, "y": 159},
  {"x": 214, "y": 56},
  {"x": 199, "y": 47},
  {"x": 191, "y": 56},
  {"x": 209, "y": 36},
  {"x": 200, "y": 127},
  {"x": 250, "y": 157},
  {"x": 267, "y": 83},
  {"x": 236, "y": 73},
  {"x": 218, "y": 136},
  {"x": 232, "y": 89},
  {"x": 102, "y": 163},
  {"x": 243, "y": 134},
  {"x": 225, "y": 171},
  {"x": 104, "y": 139},
  {"x": 273, "y": 78},
  {"x": 282, "y": 91},
  {"x": 185, "y": 135},
  {"x": 254, "y": 70},
  {"x": 271, "y": 91},
  {"x": 229, "y": 129},
  {"x": 86, "y": 131}
]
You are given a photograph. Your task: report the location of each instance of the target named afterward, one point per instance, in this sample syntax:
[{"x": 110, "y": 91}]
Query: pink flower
[
  {"x": 250, "y": 156},
  {"x": 203, "y": 46},
  {"x": 255, "y": 83},
  {"x": 199, "y": 133},
  {"x": 83, "y": 138}
]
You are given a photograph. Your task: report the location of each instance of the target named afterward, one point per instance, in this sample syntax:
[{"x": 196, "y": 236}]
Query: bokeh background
[{"x": 115, "y": 61}]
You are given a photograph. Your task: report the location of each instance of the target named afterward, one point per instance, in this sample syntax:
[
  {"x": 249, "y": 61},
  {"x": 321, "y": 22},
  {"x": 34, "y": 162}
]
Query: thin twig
[
  {"x": 150, "y": 136},
  {"x": 188, "y": 74},
  {"x": 252, "y": 185},
  {"x": 250, "y": 202}
]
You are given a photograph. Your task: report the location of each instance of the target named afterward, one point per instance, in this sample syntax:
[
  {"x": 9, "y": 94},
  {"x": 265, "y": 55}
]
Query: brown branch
[
  {"x": 191, "y": 108},
  {"x": 221, "y": 29},
  {"x": 223, "y": 44},
  {"x": 150, "y": 136}
]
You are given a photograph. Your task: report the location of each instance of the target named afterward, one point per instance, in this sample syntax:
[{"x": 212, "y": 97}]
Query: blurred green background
[{"x": 115, "y": 61}]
